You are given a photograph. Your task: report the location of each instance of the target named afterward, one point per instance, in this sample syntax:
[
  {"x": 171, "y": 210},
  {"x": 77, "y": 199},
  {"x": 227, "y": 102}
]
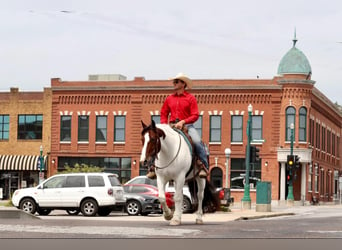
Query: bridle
[{"x": 156, "y": 145}]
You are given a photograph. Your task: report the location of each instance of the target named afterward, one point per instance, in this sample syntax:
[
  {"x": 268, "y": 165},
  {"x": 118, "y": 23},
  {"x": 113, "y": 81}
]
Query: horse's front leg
[
  {"x": 200, "y": 195},
  {"x": 178, "y": 199},
  {"x": 167, "y": 212}
]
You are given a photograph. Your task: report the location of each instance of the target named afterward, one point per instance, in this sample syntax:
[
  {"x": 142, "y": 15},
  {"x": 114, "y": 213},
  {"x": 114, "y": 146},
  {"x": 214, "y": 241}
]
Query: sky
[{"x": 156, "y": 39}]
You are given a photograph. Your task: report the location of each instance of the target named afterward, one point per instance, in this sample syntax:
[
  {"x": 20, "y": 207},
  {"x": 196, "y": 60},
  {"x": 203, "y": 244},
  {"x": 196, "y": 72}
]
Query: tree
[{"x": 81, "y": 168}]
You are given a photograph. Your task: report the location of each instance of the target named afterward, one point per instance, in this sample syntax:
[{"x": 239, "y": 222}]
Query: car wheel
[
  {"x": 28, "y": 205},
  {"x": 73, "y": 212},
  {"x": 104, "y": 211},
  {"x": 133, "y": 207},
  {"x": 43, "y": 211},
  {"x": 186, "y": 205},
  {"x": 89, "y": 207}
]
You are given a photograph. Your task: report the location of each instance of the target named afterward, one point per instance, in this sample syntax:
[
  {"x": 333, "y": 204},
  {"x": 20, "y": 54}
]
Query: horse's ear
[
  {"x": 161, "y": 133},
  {"x": 143, "y": 124},
  {"x": 153, "y": 124}
]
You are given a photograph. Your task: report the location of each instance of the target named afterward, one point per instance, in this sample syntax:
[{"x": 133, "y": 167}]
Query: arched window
[
  {"x": 216, "y": 177},
  {"x": 290, "y": 118},
  {"x": 302, "y": 124}
]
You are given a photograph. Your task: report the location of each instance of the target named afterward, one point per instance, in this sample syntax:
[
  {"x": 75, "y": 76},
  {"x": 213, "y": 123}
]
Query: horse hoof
[
  {"x": 199, "y": 221},
  {"x": 175, "y": 223},
  {"x": 168, "y": 217}
]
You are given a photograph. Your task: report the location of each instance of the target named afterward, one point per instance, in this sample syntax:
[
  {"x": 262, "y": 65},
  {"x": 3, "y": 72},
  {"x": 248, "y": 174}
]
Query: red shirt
[{"x": 183, "y": 107}]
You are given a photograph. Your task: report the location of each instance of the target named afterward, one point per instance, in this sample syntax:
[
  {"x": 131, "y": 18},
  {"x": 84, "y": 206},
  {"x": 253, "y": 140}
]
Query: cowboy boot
[{"x": 151, "y": 173}]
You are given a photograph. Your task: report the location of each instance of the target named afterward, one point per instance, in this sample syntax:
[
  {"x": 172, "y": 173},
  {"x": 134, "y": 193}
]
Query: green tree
[{"x": 81, "y": 168}]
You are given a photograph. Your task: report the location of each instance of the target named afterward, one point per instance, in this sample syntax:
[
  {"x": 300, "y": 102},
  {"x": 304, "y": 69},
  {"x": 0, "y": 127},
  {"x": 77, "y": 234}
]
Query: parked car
[
  {"x": 148, "y": 190},
  {"x": 187, "y": 201},
  {"x": 141, "y": 204},
  {"x": 88, "y": 193}
]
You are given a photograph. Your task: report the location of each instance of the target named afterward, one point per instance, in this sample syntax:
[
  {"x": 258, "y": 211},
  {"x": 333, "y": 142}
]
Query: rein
[{"x": 174, "y": 158}]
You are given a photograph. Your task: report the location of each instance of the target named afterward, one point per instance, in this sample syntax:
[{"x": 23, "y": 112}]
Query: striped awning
[{"x": 20, "y": 162}]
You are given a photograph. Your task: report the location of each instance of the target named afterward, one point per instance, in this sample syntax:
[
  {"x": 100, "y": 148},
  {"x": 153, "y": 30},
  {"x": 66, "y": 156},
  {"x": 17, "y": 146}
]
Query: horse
[{"x": 167, "y": 150}]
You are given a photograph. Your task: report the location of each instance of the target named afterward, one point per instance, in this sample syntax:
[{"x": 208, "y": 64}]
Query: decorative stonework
[
  {"x": 65, "y": 112},
  {"x": 153, "y": 99},
  {"x": 233, "y": 98},
  {"x": 83, "y": 112},
  {"x": 94, "y": 99},
  {"x": 119, "y": 112}
]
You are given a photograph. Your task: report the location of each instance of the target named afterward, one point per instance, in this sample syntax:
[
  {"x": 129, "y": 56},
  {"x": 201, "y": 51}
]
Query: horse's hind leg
[{"x": 200, "y": 195}]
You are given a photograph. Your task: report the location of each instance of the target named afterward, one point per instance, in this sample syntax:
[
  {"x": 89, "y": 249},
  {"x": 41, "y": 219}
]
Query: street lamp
[
  {"x": 290, "y": 197},
  {"x": 227, "y": 152},
  {"x": 41, "y": 165},
  {"x": 246, "y": 200}
]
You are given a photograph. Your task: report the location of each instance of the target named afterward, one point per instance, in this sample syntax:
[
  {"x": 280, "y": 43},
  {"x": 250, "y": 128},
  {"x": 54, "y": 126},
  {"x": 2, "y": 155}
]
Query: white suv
[
  {"x": 88, "y": 193},
  {"x": 187, "y": 202}
]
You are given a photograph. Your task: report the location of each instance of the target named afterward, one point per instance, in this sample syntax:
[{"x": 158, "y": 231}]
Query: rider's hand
[{"x": 180, "y": 124}]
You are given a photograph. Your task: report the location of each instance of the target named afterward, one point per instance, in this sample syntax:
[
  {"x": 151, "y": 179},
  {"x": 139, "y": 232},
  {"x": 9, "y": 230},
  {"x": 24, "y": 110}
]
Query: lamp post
[
  {"x": 41, "y": 164},
  {"x": 227, "y": 152},
  {"x": 290, "y": 197},
  {"x": 246, "y": 200}
]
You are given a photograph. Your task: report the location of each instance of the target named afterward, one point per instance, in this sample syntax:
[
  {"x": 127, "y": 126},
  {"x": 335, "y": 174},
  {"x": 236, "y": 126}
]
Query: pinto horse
[{"x": 167, "y": 150}]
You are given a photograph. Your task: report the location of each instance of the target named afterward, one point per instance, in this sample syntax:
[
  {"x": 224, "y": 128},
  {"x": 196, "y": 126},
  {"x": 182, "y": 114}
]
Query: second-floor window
[
  {"x": 198, "y": 126},
  {"x": 4, "y": 127},
  {"x": 215, "y": 128},
  {"x": 83, "y": 128},
  {"x": 119, "y": 128},
  {"x": 101, "y": 128},
  {"x": 237, "y": 126},
  {"x": 290, "y": 119},
  {"x": 256, "y": 127},
  {"x": 156, "y": 118},
  {"x": 302, "y": 124},
  {"x": 30, "y": 127},
  {"x": 65, "y": 128}
]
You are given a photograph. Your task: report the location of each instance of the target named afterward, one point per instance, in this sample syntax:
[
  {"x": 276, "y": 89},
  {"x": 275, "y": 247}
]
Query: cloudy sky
[{"x": 156, "y": 39}]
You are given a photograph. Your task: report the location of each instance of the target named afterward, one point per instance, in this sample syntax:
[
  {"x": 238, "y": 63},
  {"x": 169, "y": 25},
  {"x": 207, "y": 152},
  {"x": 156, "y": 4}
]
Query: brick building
[
  {"x": 98, "y": 122},
  {"x": 25, "y": 123}
]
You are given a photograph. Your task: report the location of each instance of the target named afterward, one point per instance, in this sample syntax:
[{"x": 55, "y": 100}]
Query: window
[
  {"x": 74, "y": 181},
  {"x": 290, "y": 118},
  {"x": 156, "y": 118},
  {"x": 65, "y": 128},
  {"x": 198, "y": 126},
  {"x": 101, "y": 128},
  {"x": 310, "y": 178},
  {"x": 30, "y": 127},
  {"x": 95, "y": 181},
  {"x": 302, "y": 124},
  {"x": 316, "y": 178},
  {"x": 256, "y": 127},
  {"x": 55, "y": 182},
  {"x": 238, "y": 172},
  {"x": 119, "y": 128},
  {"x": 115, "y": 165},
  {"x": 237, "y": 128},
  {"x": 4, "y": 127},
  {"x": 215, "y": 128},
  {"x": 83, "y": 128}
]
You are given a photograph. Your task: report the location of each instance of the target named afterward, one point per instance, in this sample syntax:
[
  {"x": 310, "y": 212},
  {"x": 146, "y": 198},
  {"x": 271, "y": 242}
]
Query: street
[{"x": 298, "y": 222}]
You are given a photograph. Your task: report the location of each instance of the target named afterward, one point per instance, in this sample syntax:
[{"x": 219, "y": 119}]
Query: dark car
[{"x": 141, "y": 204}]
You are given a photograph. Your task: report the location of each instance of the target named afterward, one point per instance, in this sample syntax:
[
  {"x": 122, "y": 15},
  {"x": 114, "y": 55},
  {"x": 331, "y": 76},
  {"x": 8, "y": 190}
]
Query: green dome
[{"x": 294, "y": 62}]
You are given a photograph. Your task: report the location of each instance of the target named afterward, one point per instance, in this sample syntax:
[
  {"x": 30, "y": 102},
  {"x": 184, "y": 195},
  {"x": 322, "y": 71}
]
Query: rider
[{"x": 181, "y": 109}]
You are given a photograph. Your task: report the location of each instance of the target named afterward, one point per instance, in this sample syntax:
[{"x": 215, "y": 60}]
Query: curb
[{"x": 253, "y": 217}]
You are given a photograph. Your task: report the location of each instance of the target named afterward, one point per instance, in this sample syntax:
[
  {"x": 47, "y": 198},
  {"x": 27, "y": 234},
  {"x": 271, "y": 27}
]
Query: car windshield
[{"x": 114, "y": 181}]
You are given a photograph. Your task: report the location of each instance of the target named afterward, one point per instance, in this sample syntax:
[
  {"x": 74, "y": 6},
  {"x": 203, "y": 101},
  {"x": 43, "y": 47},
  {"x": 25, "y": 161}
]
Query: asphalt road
[{"x": 306, "y": 222}]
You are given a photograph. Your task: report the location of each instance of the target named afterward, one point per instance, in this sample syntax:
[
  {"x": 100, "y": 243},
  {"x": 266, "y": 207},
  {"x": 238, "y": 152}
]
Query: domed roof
[{"x": 294, "y": 62}]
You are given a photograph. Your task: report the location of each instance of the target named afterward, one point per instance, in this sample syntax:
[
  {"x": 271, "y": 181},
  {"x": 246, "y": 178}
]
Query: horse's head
[{"x": 150, "y": 138}]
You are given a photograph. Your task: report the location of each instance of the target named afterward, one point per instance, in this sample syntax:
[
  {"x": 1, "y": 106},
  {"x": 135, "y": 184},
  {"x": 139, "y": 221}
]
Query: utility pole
[{"x": 246, "y": 200}]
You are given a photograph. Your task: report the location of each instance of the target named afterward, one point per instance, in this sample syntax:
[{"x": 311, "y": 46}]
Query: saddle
[{"x": 195, "y": 167}]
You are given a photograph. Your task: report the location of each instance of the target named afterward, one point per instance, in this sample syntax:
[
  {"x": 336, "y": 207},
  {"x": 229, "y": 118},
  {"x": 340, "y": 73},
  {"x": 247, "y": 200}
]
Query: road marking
[
  {"x": 118, "y": 231},
  {"x": 325, "y": 232}
]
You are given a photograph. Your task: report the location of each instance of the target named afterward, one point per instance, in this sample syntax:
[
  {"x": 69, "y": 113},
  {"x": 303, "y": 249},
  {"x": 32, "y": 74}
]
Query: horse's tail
[{"x": 210, "y": 202}]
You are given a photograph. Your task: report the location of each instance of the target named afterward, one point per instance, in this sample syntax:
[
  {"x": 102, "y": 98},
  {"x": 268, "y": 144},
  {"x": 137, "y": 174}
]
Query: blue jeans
[{"x": 199, "y": 147}]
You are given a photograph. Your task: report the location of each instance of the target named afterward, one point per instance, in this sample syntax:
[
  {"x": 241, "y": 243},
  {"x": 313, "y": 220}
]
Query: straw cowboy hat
[{"x": 184, "y": 78}]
